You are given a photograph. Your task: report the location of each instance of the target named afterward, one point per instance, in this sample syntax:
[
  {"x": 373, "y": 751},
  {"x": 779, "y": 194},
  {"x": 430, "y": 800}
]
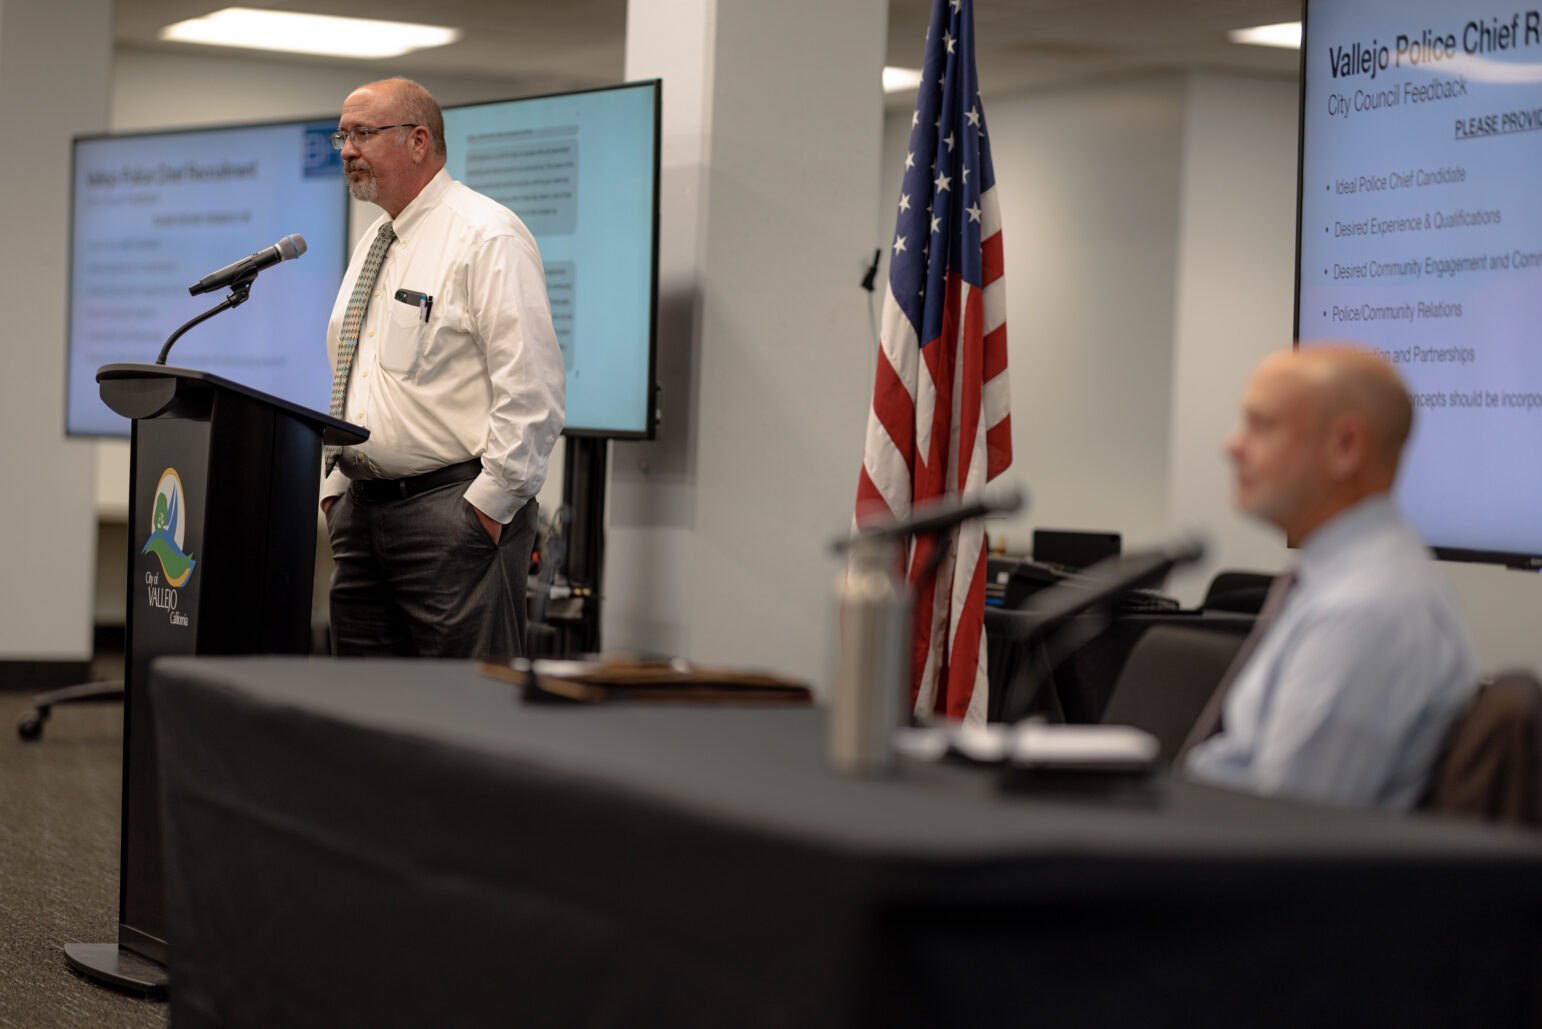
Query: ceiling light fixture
[
  {"x": 321, "y": 34},
  {"x": 898, "y": 80},
  {"x": 1286, "y": 35}
]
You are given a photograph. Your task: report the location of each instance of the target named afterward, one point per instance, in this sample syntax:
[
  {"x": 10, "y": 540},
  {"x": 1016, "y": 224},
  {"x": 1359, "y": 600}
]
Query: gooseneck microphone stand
[{"x": 240, "y": 292}]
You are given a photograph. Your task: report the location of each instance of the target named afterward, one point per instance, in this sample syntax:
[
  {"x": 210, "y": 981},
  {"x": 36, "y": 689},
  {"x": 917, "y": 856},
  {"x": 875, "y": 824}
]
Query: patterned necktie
[
  {"x": 1209, "y": 721},
  {"x": 353, "y": 323}
]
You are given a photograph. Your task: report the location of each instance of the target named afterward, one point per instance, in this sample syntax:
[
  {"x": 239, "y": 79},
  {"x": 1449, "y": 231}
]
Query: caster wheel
[{"x": 29, "y": 726}]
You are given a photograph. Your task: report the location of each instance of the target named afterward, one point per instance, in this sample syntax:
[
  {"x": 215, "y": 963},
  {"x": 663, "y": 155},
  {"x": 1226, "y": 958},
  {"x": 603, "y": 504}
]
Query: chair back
[
  {"x": 1491, "y": 767},
  {"x": 1169, "y": 677},
  {"x": 1243, "y": 592}
]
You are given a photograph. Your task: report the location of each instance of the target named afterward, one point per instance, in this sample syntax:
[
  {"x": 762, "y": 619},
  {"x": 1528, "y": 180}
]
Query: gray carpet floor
[{"x": 59, "y": 809}]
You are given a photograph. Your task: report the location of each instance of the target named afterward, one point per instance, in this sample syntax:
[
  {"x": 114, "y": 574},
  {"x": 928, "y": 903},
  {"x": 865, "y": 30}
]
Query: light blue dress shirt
[{"x": 1348, "y": 697}]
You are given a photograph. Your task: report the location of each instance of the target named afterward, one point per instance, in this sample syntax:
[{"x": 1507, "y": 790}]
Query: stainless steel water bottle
[{"x": 872, "y": 676}]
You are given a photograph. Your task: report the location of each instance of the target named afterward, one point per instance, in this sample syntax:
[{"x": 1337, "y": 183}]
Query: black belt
[{"x": 382, "y": 491}]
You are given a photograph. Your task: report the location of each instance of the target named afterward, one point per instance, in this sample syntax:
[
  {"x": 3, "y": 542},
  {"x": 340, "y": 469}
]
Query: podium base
[{"x": 117, "y": 966}]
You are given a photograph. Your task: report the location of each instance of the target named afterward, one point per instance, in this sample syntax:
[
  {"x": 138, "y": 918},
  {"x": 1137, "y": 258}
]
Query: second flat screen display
[{"x": 579, "y": 169}]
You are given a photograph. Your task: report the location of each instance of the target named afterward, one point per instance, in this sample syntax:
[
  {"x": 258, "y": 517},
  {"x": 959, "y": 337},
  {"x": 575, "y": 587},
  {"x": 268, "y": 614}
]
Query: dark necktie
[
  {"x": 1209, "y": 721},
  {"x": 353, "y": 324}
]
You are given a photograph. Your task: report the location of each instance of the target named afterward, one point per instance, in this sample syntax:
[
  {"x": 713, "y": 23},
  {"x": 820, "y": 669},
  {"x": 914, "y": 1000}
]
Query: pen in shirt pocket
[{"x": 422, "y": 301}]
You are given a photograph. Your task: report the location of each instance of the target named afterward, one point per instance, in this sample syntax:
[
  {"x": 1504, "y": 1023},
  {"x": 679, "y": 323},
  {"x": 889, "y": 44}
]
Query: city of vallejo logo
[{"x": 166, "y": 532}]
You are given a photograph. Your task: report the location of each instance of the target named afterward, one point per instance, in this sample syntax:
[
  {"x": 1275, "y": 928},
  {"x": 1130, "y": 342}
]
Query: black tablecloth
[{"x": 403, "y": 843}]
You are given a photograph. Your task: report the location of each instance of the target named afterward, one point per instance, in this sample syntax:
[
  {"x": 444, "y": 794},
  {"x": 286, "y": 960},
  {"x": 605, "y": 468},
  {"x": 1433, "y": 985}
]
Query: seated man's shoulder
[
  {"x": 1392, "y": 573},
  {"x": 1391, "y": 618},
  {"x": 1410, "y": 615},
  {"x": 1415, "y": 598}
]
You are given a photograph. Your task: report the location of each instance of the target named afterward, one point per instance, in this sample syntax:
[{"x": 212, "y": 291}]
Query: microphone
[
  {"x": 872, "y": 272},
  {"x": 246, "y": 269},
  {"x": 936, "y": 516}
]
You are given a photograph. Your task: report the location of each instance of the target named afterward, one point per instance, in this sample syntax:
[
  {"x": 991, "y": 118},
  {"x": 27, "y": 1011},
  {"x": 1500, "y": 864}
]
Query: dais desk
[{"x": 404, "y": 843}]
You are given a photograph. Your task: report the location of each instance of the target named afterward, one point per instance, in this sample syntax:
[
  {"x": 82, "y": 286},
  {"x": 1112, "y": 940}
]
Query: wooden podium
[{"x": 224, "y": 484}]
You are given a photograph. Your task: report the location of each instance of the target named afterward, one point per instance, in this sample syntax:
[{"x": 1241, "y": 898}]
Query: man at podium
[{"x": 442, "y": 346}]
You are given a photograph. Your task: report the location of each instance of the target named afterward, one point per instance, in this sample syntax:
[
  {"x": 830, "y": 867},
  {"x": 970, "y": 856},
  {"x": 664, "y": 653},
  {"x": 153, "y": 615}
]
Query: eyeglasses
[{"x": 361, "y": 136}]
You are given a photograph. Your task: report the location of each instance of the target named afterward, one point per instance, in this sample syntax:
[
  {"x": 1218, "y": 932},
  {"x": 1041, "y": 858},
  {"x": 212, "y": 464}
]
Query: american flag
[{"x": 940, "y": 426}]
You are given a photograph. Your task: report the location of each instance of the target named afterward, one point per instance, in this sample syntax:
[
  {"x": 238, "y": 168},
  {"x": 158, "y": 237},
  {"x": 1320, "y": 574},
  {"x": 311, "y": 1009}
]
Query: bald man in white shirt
[
  {"x": 442, "y": 346},
  {"x": 1358, "y": 667}
]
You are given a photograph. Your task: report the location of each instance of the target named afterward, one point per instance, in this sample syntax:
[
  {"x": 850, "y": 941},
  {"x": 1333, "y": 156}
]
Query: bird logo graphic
[{"x": 166, "y": 530}]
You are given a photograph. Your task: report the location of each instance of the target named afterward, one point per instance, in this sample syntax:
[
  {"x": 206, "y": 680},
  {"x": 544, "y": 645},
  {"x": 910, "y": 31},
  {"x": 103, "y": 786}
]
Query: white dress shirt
[
  {"x": 481, "y": 376},
  {"x": 1349, "y": 696}
]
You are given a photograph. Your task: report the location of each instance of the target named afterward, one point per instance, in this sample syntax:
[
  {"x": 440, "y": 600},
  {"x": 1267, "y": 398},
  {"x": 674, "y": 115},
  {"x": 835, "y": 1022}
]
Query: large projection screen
[
  {"x": 1420, "y": 234},
  {"x": 154, "y": 212}
]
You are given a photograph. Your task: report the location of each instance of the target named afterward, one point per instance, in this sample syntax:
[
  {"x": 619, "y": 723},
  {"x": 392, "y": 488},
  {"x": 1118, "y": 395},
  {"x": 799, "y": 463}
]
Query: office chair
[
  {"x": 1491, "y": 765},
  {"x": 30, "y": 725},
  {"x": 1242, "y": 592},
  {"x": 1020, "y": 676},
  {"x": 1169, "y": 677}
]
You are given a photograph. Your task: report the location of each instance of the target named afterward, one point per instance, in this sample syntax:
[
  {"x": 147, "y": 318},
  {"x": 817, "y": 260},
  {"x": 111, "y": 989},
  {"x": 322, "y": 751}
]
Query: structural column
[
  {"x": 718, "y": 532},
  {"x": 55, "y": 70}
]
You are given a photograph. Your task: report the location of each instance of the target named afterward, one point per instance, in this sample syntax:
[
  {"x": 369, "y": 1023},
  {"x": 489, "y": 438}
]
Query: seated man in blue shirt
[{"x": 1358, "y": 666}]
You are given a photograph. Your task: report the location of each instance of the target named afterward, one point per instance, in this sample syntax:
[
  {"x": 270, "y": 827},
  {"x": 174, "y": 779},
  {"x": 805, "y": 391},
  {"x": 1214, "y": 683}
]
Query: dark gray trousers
[{"x": 421, "y": 578}]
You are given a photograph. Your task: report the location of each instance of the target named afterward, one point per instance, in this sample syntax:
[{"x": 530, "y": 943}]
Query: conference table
[{"x": 355, "y": 842}]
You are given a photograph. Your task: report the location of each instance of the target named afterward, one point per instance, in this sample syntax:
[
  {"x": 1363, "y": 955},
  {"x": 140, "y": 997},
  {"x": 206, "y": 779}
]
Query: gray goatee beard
[{"x": 365, "y": 190}]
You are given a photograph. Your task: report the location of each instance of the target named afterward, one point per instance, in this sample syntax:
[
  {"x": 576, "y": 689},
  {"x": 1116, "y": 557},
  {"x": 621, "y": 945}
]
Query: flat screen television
[
  {"x": 153, "y": 212},
  {"x": 1420, "y": 234},
  {"x": 582, "y": 171}
]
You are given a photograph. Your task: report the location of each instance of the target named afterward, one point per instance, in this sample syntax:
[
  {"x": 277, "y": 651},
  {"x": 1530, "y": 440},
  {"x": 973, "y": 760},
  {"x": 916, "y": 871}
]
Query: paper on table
[
  {"x": 669, "y": 681},
  {"x": 986, "y": 744},
  {"x": 1034, "y": 744},
  {"x": 1083, "y": 746}
]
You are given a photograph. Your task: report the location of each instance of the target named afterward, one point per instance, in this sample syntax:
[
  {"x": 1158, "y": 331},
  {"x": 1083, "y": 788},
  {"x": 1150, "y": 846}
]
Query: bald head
[
  {"x": 414, "y": 106},
  {"x": 1339, "y": 380},
  {"x": 1322, "y": 428},
  {"x": 402, "y": 146}
]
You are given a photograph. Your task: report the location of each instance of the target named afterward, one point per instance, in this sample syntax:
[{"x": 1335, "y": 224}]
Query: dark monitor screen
[{"x": 1074, "y": 549}]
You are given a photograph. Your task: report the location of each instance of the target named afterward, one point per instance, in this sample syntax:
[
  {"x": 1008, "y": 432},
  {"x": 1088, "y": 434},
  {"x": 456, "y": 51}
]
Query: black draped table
[{"x": 404, "y": 843}]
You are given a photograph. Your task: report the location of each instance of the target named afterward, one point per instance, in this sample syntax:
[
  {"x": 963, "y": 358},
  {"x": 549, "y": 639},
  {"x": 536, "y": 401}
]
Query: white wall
[
  {"x": 1088, "y": 180},
  {"x": 649, "y": 582},
  {"x": 1504, "y": 609},
  {"x": 55, "y": 61},
  {"x": 159, "y": 89},
  {"x": 718, "y": 533},
  {"x": 1235, "y": 294},
  {"x": 1236, "y": 283}
]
